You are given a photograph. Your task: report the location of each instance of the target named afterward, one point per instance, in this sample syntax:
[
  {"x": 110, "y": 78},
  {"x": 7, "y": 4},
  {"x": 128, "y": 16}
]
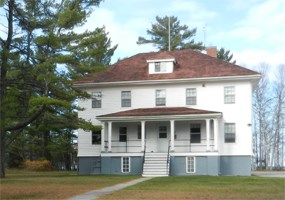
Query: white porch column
[
  {"x": 143, "y": 135},
  {"x": 216, "y": 130},
  {"x": 208, "y": 134},
  {"x": 103, "y": 136},
  {"x": 109, "y": 136},
  {"x": 172, "y": 128}
]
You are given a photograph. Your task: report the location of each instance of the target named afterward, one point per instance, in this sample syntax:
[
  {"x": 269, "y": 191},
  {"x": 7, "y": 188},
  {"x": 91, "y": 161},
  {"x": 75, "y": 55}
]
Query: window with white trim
[
  {"x": 159, "y": 67},
  {"x": 96, "y": 100},
  {"x": 191, "y": 96},
  {"x": 139, "y": 128},
  {"x": 195, "y": 133},
  {"x": 126, "y": 164},
  {"x": 229, "y": 94},
  {"x": 96, "y": 137},
  {"x": 126, "y": 98},
  {"x": 190, "y": 164},
  {"x": 160, "y": 97},
  {"x": 123, "y": 134},
  {"x": 230, "y": 132},
  {"x": 162, "y": 131}
]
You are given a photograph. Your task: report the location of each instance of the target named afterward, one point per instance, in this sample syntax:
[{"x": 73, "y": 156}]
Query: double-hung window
[
  {"x": 229, "y": 94},
  {"x": 123, "y": 134},
  {"x": 195, "y": 130},
  {"x": 139, "y": 128},
  {"x": 126, "y": 164},
  {"x": 96, "y": 137},
  {"x": 126, "y": 99},
  {"x": 96, "y": 100},
  {"x": 159, "y": 67},
  {"x": 160, "y": 97},
  {"x": 191, "y": 96},
  {"x": 190, "y": 164},
  {"x": 163, "y": 132},
  {"x": 230, "y": 132}
]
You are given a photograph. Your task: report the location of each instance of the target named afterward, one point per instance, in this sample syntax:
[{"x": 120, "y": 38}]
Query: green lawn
[
  {"x": 205, "y": 187},
  {"x": 21, "y": 184},
  {"x": 62, "y": 185}
]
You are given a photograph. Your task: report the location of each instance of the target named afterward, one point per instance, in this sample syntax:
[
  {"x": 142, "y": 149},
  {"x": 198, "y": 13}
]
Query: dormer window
[
  {"x": 157, "y": 66},
  {"x": 160, "y": 67}
]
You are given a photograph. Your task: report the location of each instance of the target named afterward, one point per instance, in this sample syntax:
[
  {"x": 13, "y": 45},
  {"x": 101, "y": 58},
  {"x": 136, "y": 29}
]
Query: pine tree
[
  {"x": 225, "y": 55},
  {"x": 38, "y": 38},
  {"x": 181, "y": 37}
]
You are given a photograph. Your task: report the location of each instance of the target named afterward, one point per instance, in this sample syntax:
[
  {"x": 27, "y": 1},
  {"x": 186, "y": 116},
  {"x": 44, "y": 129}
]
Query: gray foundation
[
  {"x": 235, "y": 165},
  {"x": 204, "y": 165},
  {"x": 89, "y": 165}
]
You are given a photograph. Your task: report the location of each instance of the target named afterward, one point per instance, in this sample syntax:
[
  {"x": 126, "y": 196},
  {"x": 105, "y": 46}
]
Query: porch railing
[
  {"x": 181, "y": 145},
  {"x": 186, "y": 145},
  {"x": 124, "y": 146}
]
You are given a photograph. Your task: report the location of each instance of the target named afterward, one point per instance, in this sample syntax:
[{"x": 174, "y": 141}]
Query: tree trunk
[
  {"x": 3, "y": 84},
  {"x": 46, "y": 138}
]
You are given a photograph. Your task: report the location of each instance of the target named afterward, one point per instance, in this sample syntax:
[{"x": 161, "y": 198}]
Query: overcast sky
[{"x": 253, "y": 30}]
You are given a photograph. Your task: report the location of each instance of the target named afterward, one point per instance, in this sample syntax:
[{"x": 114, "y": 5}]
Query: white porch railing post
[
  {"x": 216, "y": 131},
  {"x": 103, "y": 136},
  {"x": 109, "y": 136},
  {"x": 142, "y": 135},
  {"x": 208, "y": 134},
  {"x": 172, "y": 128}
]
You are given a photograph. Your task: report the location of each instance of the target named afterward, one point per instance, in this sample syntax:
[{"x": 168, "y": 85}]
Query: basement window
[
  {"x": 190, "y": 164},
  {"x": 126, "y": 164}
]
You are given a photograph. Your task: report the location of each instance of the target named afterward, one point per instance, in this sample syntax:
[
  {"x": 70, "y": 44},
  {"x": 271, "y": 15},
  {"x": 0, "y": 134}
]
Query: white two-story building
[{"x": 168, "y": 113}]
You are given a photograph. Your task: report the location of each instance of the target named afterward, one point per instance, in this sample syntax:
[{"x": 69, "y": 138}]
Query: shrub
[{"x": 38, "y": 165}]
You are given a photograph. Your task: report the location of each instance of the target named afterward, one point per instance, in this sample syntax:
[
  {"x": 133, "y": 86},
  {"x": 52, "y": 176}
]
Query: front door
[{"x": 162, "y": 141}]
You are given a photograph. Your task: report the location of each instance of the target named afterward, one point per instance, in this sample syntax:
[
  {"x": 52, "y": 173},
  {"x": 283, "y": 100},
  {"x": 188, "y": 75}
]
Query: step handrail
[
  {"x": 144, "y": 153},
  {"x": 168, "y": 157}
]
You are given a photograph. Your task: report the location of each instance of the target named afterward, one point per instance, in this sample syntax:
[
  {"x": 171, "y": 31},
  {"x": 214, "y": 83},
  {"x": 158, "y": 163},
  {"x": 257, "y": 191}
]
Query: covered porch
[{"x": 175, "y": 129}]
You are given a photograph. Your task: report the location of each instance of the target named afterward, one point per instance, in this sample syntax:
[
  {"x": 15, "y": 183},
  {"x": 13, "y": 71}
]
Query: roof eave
[
  {"x": 159, "y": 117},
  {"x": 254, "y": 77}
]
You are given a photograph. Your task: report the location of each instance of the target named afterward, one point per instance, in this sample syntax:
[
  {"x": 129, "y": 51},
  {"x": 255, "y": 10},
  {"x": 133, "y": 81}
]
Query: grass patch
[
  {"x": 204, "y": 187},
  {"x": 20, "y": 184}
]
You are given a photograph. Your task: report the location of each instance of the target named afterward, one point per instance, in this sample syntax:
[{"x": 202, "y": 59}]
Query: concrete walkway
[
  {"x": 94, "y": 194},
  {"x": 279, "y": 174}
]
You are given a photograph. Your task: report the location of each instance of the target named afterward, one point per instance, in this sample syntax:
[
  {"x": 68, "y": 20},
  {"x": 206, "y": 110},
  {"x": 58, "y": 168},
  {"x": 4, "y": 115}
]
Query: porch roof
[{"x": 160, "y": 113}]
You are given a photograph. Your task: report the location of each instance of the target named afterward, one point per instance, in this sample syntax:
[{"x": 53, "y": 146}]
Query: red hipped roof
[{"x": 189, "y": 64}]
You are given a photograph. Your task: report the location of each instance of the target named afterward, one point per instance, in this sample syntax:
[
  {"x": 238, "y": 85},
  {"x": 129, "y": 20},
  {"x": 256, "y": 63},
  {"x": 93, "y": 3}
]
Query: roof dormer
[{"x": 161, "y": 66}]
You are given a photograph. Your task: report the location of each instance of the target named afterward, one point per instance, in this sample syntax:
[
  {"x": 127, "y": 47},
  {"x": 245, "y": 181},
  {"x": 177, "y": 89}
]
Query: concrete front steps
[{"x": 155, "y": 165}]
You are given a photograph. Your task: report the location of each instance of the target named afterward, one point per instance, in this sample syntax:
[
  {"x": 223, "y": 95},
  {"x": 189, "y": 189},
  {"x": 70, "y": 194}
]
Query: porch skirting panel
[
  {"x": 179, "y": 165},
  {"x": 89, "y": 165},
  {"x": 203, "y": 165},
  {"x": 235, "y": 165},
  {"x": 114, "y": 165},
  {"x": 211, "y": 166}
]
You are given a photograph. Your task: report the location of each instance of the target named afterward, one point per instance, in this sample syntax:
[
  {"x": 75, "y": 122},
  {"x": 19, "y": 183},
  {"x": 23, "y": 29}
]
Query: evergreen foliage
[
  {"x": 225, "y": 55},
  {"x": 181, "y": 37},
  {"x": 38, "y": 106}
]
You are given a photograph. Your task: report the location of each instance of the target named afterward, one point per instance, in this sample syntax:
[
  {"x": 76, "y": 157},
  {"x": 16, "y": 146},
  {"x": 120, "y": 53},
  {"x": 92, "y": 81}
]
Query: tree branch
[{"x": 26, "y": 122}]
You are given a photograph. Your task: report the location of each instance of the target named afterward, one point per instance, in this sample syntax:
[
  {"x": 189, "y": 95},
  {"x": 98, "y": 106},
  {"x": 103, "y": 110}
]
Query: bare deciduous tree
[{"x": 268, "y": 125}]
